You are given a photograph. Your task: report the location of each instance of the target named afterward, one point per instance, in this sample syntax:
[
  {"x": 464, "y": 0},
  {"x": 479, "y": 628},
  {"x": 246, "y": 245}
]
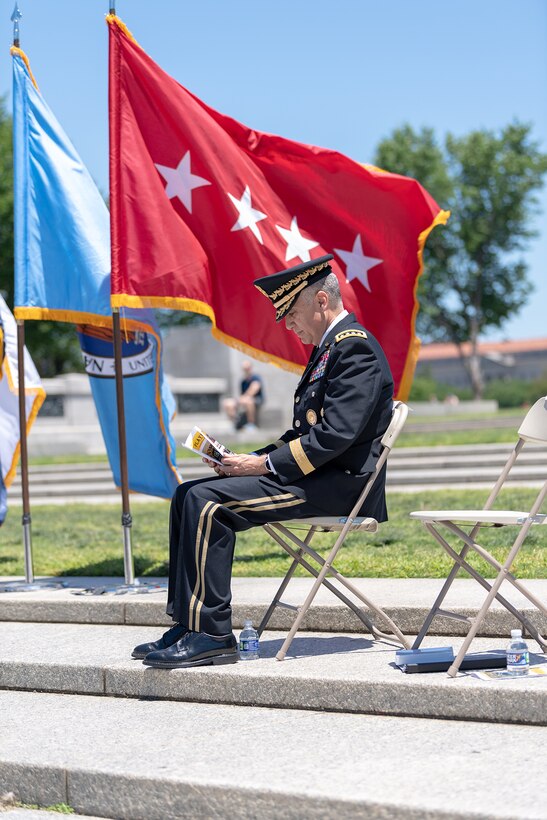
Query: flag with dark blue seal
[{"x": 145, "y": 438}]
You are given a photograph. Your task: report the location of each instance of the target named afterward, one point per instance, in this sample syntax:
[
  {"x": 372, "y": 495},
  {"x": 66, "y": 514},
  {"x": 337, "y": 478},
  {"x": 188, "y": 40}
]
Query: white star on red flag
[
  {"x": 358, "y": 265},
  {"x": 248, "y": 216},
  {"x": 181, "y": 181},
  {"x": 297, "y": 245}
]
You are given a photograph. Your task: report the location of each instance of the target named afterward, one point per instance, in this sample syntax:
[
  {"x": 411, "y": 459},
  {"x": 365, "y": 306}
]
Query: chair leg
[
  {"x": 326, "y": 568},
  {"x": 439, "y": 599},
  {"x": 311, "y": 595},
  {"x": 462, "y": 564},
  {"x": 283, "y": 586},
  {"x": 496, "y": 585},
  {"x": 299, "y": 618},
  {"x": 396, "y": 634},
  {"x": 470, "y": 542},
  {"x": 315, "y": 572},
  {"x": 453, "y": 670}
]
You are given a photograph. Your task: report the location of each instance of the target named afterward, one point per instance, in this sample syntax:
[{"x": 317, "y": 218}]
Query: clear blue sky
[{"x": 338, "y": 74}]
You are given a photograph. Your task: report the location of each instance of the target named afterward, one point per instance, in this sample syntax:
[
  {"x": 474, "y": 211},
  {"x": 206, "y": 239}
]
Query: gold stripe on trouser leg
[
  {"x": 204, "y": 550},
  {"x": 268, "y": 506},
  {"x": 265, "y": 502},
  {"x": 260, "y": 500},
  {"x": 197, "y": 586}
]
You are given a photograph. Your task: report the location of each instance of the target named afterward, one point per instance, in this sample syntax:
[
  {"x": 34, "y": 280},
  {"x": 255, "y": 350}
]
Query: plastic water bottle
[
  {"x": 248, "y": 642},
  {"x": 518, "y": 657}
]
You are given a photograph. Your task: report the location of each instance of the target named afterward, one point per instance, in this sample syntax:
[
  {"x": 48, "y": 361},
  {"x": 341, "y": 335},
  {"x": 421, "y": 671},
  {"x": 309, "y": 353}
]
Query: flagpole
[
  {"x": 131, "y": 584},
  {"x": 127, "y": 521},
  {"x": 128, "y": 565},
  {"x": 26, "y": 517},
  {"x": 29, "y": 585}
]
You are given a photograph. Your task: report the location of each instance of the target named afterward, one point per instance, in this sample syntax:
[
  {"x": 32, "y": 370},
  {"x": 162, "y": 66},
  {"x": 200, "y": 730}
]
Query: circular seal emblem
[{"x": 311, "y": 417}]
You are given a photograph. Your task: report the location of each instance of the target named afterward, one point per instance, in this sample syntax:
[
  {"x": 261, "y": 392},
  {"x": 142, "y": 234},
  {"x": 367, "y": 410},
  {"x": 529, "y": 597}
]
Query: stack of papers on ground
[{"x": 497, "y": 674}]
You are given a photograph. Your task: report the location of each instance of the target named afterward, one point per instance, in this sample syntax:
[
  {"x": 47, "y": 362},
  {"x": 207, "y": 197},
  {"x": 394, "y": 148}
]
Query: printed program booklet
[
  {"x": 502, "y": 674},
  {"x": 205, "y": 446}
]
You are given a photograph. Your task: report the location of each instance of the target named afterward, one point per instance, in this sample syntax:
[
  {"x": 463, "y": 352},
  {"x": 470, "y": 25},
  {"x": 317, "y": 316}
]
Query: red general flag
[{"x": 201, "y": 206}]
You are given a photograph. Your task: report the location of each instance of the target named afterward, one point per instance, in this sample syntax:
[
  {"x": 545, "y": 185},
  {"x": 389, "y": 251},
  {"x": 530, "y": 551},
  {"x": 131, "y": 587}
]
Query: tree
[
  {"x": 475, "y": 276},
  {"x": 53, "y": 345}
]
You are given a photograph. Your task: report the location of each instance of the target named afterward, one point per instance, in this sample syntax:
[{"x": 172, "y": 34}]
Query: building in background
[{"x": 523, "y": 359}]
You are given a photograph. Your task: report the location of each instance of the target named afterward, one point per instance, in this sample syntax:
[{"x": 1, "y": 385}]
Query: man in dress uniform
[{"x": 342, "y": 407}]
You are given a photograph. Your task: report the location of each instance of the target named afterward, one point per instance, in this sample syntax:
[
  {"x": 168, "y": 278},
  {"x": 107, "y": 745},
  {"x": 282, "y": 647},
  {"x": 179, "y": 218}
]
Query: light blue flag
[
  {"x": 62, "y": 230},
  {"x": 62, "y": 273}
]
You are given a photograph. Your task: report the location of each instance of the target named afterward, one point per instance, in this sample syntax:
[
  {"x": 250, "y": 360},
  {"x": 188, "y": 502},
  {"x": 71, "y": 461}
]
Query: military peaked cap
[{"x": 284, "y": 287}]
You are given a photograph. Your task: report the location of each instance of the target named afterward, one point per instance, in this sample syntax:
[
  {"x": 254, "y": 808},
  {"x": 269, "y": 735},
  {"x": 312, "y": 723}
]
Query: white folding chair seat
[
  {"x": 301, "y": 551},
  {"x": 437, "y": 522}
]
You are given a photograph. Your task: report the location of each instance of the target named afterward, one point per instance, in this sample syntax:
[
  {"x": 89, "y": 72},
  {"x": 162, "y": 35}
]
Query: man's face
[{"x": 306, "y": 319}]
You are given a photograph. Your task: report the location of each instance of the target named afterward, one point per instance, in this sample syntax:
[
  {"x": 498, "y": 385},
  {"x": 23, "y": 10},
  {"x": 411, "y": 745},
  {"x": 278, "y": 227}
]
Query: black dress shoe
[
  {"x": 195, "y": 649},
  {"x": 167, "y": 639}
]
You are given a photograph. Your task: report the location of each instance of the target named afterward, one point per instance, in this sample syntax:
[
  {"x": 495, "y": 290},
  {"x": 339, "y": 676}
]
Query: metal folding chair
[
  {"x": 300, "y": 551},
  {"x": 532, "y": 429}
]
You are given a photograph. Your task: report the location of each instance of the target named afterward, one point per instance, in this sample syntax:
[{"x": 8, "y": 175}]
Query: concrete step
[
  {"x": 403, "y": 459},
  {"x": 406, "y": 600},
  {"x": 156, "y": 760},
  {"x": 323, "y": 671},
  {"x": 470, "y": 474},
  {"x": 21, "y": 813},
  {"x": 534, "y": 462},
  {"x": 397, "y": 481},
  {"x": 410, "y": 469},
  {"x": 424, "y": 425},
  {"x": 87, "y": 487},
  {"x": 478, "y": 449},
  {"x": 490, "y": 453}
]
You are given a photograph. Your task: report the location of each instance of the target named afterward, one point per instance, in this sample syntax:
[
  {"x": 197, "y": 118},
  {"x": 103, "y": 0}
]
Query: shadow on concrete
[{"x": 309, "y": 646}]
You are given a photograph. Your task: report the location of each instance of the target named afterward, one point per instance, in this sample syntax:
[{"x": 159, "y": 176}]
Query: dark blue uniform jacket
[{"x": 342, "y": 407}]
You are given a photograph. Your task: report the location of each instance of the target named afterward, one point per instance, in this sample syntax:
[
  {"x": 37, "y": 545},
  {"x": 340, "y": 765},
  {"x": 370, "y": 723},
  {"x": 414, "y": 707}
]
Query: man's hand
[
  {"x": 213, "y": 465},
  {"x": 238, "y": 465}
]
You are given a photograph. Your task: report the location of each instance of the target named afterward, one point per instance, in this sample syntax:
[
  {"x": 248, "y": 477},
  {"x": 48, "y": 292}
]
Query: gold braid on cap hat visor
[
  {"x": 285, "y": 309},
  {"x": 290, "y": 296},
  {"x": 305, "y": 274}
]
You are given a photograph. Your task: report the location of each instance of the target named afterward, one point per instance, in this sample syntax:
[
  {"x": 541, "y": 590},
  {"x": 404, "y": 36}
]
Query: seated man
[
  {"x": 342, "y": 407},
  {"x": 242, "y": 411}
]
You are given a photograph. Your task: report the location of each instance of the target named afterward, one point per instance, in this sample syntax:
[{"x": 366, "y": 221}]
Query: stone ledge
[
  {"x": 406, "y": 600},
  {"x": 323, "y": 671}
]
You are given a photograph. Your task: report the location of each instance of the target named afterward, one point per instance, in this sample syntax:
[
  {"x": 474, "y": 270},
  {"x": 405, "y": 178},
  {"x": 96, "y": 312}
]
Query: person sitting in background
[{"x": 243, "y": 411}]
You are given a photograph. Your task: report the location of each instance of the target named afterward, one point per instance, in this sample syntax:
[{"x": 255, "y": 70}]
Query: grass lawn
[
  {"x": 79, "y": 539},
  {"x": 487, "y": 435}
]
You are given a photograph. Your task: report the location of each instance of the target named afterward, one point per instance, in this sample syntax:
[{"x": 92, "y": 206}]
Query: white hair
[{"x": 330, "y": 285}]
